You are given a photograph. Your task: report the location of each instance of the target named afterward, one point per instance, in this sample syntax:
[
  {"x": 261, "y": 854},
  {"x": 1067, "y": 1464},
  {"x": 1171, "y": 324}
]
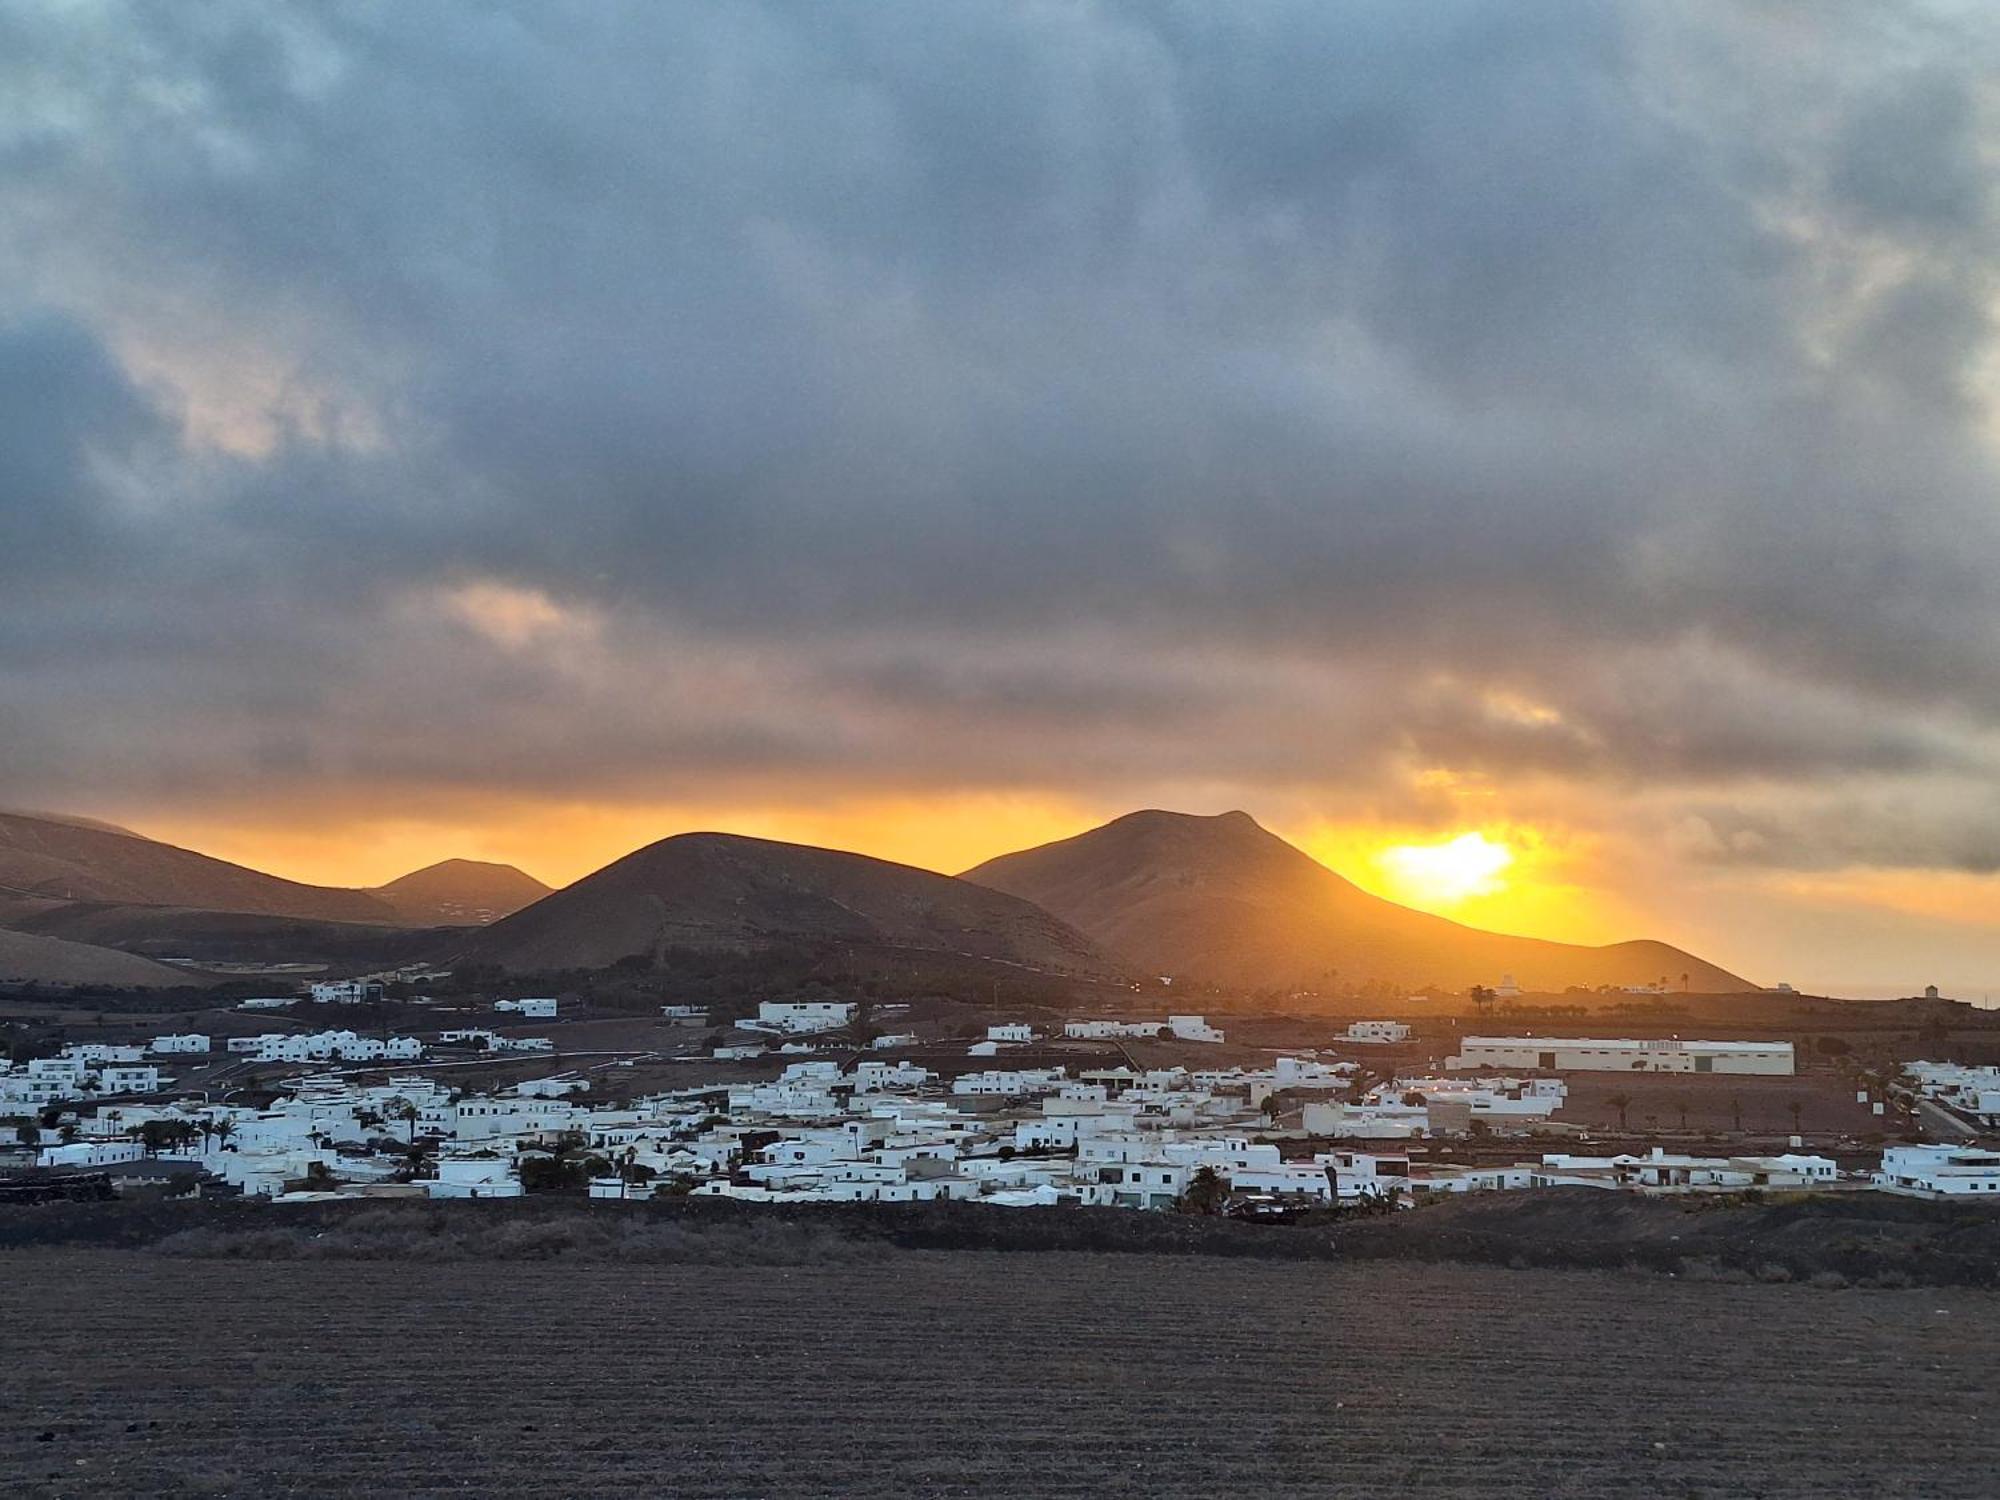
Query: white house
[
  {"x": 1011, "y": 1031},
  {"x": 90, "y": 1154},
  {"x": 1940, "y": 1172},
  {"x": 1378, "y": 1031},
  {"x": 1009, "y": 1082},
  {"x": 344, "y": 992},
  {"x": 1604, "y": 1055},
  {"x": 1309, "y": 1073},
  {"x": 802, "y": 1016},
  {"x": 128, "y": 1078},
  {"x": 1104, "y": 1031},
  {"x": 538, "y": 1008},
  {"x": 192, "y": 1042},
  {"x": 92, "y": 1053},
  {"x": 474, "y": 1177},
  {"x": 1192, "y": 1029}
]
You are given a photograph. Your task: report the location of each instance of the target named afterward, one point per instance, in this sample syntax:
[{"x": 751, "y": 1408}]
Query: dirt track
[{"x": 969, "y": 1373}]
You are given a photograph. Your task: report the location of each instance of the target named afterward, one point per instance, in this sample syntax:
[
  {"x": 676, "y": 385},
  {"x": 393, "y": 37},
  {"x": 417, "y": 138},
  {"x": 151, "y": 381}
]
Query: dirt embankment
[{"x": 1831, "y": 1239}]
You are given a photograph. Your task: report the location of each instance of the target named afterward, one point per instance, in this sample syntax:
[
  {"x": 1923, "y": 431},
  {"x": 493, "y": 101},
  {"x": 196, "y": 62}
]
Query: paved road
[{"x": 1942, "y": 1120}]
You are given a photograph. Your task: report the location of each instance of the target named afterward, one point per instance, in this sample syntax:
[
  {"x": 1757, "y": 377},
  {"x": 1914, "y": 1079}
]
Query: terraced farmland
[{"x": 973, "y": 1373}]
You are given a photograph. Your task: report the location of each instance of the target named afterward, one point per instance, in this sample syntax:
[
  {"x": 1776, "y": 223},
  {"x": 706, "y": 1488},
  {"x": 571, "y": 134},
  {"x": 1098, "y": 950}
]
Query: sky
[{"x": 1540, "y": 458}]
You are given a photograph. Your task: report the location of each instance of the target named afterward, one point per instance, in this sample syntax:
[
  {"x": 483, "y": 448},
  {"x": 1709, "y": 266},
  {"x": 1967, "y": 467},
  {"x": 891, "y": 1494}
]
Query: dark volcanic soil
[{"x": 973, "y": 1373}]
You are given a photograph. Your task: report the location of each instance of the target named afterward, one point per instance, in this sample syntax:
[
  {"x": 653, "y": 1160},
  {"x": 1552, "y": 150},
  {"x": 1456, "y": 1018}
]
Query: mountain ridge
[
  {"x": 1223, "y": 900},
  {"x": 721, "y": 890},
  {"x": 58, "y": 858}
]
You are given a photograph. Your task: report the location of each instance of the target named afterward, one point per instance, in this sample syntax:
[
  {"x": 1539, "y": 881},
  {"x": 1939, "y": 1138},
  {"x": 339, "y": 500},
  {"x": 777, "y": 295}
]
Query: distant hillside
[
  {"x": 1223, "y": 901},
  {"x": 51, "y": 857},
  {"x": 460, "y": 893},
  {"x": 73, "y": 860},
  {"x": 227, "y": 937},
  {"x": 714, "y": 890},
  {"x": 29, "y": 957}
]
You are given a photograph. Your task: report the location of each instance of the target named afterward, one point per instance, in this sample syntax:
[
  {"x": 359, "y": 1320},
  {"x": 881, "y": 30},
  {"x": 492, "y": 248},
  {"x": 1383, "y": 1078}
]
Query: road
[{"x": 1943, "y": 1121}]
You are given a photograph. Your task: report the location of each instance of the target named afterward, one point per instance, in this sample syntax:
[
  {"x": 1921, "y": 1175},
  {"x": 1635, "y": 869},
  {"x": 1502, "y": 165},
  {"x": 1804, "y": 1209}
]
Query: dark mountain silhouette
[
  {"x": 717, "y": 890},
  {"x": 1223, "y": 901},
  {"x": 460, "y": 893},
  {"x": 47, "y": 860},
  {"x": 66, "y": 859}
]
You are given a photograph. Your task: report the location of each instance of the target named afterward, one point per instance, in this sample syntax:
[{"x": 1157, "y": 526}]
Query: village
[{"x": 798, "y": 1102}]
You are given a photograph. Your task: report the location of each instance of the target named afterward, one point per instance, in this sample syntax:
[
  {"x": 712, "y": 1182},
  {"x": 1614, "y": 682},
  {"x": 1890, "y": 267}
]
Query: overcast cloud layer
[{"x": 1068, "y": 397}]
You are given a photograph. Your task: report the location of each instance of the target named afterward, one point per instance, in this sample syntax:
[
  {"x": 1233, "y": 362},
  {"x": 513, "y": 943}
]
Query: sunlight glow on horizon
[{"x": 1449, "y": 873}]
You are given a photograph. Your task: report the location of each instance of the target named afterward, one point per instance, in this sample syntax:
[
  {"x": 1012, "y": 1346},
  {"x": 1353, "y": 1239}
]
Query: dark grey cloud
[{"x": 1038, "y": 396}]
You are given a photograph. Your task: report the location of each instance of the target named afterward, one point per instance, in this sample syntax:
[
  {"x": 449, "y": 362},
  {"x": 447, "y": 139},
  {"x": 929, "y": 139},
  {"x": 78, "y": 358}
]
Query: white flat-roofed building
[
  {"x": 344, "y": 992},
  {"x": 537, "y": 1008},
  {"x": 1378, "y": 1031},
  {"x": 128, "y": 1078},
  {"x": 1104, "y": 1031},
  {"x": 192, "y": 1042},
  {"x": 1940, "y": 1172},
  {"x": 1551, "y": 1054},
  {"x": 104, "y": 1052},
  {"x": 1193, "y": 1029},
  {"x": 1011, "y": 1031},
  {"x": 802, "y": 1015}
]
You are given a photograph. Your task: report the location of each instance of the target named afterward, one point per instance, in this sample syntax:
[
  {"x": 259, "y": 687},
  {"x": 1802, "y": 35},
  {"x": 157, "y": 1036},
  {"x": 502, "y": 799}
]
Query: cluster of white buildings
[
  {"x": 81, "y": 1071},
  {"x": 325, "y": 1046},
  {"x": 1418, "y": 1106},
  {"x": 1973, "y": 1093}
]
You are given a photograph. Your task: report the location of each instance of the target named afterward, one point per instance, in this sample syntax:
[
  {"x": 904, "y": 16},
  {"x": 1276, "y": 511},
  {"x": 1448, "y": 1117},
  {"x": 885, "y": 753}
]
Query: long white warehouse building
[{"x": 1563, "y": 1054}]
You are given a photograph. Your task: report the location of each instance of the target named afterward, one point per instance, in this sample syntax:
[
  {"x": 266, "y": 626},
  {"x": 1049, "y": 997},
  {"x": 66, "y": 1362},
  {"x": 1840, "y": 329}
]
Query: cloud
[{"x": 1082, "y": 398}]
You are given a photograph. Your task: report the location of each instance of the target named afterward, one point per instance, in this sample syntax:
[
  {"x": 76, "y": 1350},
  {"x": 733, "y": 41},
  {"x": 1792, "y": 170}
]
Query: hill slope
[
  {"x": 460, "y": 893},
  {"x": 1224, "y": 901},
  {"x": 72, "y": 860},
  {"x": 27, "y": 956},
  {"x": 715, "y": 890}
]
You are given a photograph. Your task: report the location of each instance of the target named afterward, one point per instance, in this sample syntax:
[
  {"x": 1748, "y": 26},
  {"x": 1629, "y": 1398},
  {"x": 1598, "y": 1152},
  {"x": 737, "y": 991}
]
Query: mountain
[
  {"x": 1221, "y": 900},
  {"x": 26, "y": 956},
  {"x": 460, "y": 893},
  {"x": 48, "y": 858},
  {"x": 716, "y": 890},
  {"x": 70, "y": 859}
]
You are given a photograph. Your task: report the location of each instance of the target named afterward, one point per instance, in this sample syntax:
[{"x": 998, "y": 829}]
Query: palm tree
[
  {"x": 224, "y": 1129},
  {"x": 1621, "y": 1103},
  {"x": 1736, "y": 1111},
  {"x": 1681, "y": 1103},
  {"x": 1797, "y": 1110}
]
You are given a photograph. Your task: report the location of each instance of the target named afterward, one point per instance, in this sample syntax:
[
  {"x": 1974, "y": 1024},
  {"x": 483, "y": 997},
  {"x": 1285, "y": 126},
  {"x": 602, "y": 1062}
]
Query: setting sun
[{"x": 1448, "y": 873}]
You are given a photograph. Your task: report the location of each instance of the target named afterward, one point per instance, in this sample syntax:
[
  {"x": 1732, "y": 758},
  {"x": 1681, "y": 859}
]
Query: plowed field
[{"x": 974, "y": 1373}]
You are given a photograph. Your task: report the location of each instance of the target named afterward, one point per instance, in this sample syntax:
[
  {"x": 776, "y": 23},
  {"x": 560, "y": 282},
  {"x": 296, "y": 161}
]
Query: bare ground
[{"x": 976, "y": 1373}]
